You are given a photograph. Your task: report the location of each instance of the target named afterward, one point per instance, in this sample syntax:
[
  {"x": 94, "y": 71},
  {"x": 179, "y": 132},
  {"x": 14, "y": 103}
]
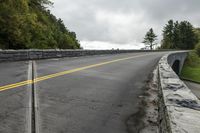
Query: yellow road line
[
  {"x": 15, "y": 85},
  {"x": 19, "y": 84}
]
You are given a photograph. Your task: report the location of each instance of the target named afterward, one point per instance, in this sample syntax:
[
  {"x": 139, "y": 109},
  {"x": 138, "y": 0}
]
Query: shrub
[
  {"x": 197, "y": 49},
  {"x": 193, "y": 59}
]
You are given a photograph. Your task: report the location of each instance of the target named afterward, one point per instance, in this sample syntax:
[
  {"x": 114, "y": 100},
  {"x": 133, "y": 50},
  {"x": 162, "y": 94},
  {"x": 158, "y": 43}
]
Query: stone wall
[
  {"x": 179, "y": 108},
  {"x": 16, "y": 55}
]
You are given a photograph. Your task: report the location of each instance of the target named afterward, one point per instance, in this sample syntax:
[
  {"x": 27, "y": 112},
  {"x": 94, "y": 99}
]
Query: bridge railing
[
  {"x": 179, "y": 108},
  {"x": 35, "y": 54}
]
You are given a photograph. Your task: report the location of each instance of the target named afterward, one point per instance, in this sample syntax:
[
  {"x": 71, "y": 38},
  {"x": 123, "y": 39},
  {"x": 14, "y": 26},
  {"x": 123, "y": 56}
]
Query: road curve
[{"x": 94, "y": 94}]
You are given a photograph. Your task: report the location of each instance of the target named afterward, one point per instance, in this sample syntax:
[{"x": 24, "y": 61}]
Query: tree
[
  {"x": 186, "y": 35},
  {"x": 178, "y": 35},
  {"x": 197, "y": 32},
  {"x": 40, "y": 3},
  {"x": 28, "y": 24},
  {"x": 197, "y": 49},
  {"x": 150, "y": 39},
  {"x": 168, "y": 35}
]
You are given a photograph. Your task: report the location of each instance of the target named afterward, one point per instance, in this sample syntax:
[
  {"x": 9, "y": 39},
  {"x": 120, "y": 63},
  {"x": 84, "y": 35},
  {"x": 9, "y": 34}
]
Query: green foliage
[
  {"x": 197, "y": 49},
  {"x": 28, "y": 24},
  {"x": 192, "y": 73},
  {"x": 191, "y": 68},
  {"x": 178, "y": 35},
  {"x": 197, "y": 32},
  {"x": 168, "y": 35},
  {"x": 150, "y": 39},
  {"x": 192, "y": 59}
]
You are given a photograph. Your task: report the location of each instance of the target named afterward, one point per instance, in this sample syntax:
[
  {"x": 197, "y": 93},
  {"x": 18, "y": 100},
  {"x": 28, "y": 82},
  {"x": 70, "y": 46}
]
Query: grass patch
[
  {"x": 192, "y": 73},
  {"x": 191, "y": 68}
]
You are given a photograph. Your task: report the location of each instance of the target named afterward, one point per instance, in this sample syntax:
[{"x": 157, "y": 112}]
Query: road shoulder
[{"x": 195, "y": 87}]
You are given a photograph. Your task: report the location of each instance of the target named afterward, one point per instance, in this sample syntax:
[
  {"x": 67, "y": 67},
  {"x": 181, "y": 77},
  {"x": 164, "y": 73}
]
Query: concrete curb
[{"x": 179, "y": 108}]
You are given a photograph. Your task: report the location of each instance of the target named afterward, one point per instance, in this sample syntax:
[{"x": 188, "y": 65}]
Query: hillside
[{"x": 26, "y": 24}]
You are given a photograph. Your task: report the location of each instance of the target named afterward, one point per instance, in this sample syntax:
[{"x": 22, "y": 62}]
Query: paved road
[
  {"x": 94, "y": 94},
  {"x": 195, "y": 88}
]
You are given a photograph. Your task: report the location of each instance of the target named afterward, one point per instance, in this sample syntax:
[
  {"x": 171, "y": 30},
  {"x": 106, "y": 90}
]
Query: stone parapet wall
[
  {"x": 16, "y": 55},
  {"x": 179, "y": 108}
]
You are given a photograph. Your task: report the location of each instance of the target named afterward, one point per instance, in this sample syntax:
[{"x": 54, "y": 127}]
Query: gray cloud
[{"x": 122, "y": 21}]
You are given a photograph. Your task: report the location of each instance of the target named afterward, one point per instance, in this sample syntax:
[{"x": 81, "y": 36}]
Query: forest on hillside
[{"x": 28, "y": 24}]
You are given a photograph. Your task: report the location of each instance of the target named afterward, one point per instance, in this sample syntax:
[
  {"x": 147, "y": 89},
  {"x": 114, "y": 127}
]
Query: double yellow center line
[{"x": 23, "y": 83}]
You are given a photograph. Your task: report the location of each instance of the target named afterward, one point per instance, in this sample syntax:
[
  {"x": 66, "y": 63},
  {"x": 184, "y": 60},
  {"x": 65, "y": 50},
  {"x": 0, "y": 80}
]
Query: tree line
[
  {"x": 27, "y": 24},
  {"x": 176, "y": 35}
]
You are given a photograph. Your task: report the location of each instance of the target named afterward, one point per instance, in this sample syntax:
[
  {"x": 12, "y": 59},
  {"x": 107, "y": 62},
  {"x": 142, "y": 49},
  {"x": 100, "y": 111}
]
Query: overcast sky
[{"x": 106, "y": 24}]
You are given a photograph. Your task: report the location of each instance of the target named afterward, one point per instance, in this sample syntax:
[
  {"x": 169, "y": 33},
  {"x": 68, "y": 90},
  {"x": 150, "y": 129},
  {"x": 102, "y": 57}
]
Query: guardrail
[
  {"x": 34, "y": 54},
  {"x": 179, "y": 108}
]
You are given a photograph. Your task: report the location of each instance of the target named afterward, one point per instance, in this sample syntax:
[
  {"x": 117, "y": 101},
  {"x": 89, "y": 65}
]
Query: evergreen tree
[
  {"x": 150, "y": 39},
  {"x": 178, "y": 36},
  {"x": 168, "y": 35},
  {"x": 187, "y": 37}
]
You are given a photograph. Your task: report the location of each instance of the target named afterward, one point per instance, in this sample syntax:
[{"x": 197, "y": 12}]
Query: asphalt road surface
[
  {"x": 194, "y": 87},
  {"x": 94, "y": 94}
]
